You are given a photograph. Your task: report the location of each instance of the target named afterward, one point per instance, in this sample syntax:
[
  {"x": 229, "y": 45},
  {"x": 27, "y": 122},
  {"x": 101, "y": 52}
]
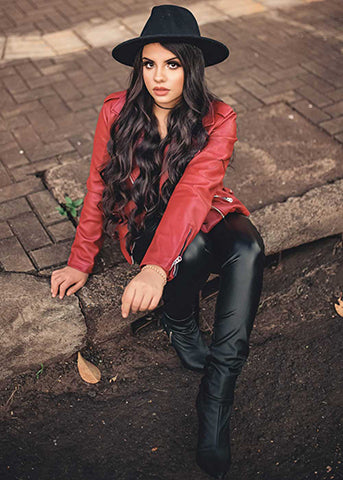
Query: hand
[
  {"x": 143, "y": 292},
  {"x": 64, "y": 277}
]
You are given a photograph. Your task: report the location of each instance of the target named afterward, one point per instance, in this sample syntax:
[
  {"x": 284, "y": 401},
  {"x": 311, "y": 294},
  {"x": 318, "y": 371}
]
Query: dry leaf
[
  {"x": 113, "y": 379},
  {"x": 88, "y": 372},
  {"x": 339, "y": 307}
]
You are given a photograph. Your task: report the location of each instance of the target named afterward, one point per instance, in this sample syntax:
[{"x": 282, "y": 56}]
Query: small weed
[
  {"x": 39, "y": 371},
  {"x": 70, "y": 206}
]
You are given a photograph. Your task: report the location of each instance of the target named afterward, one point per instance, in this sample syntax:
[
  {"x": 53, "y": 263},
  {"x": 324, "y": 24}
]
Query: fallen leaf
[
  {"x": 154, "y": 449},
  {"x": 113, "y": 379},
  {"x": 339, "y": 307},
  {"x": 88, "y": 372}
]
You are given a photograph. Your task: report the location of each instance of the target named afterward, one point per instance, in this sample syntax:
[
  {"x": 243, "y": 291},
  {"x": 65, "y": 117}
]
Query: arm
[
  {"x": 192, "y": 197},
  {"x": 89, "y": 233}
]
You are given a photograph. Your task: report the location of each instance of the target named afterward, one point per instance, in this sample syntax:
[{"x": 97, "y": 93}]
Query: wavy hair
[{"x": 134, "y": 134}]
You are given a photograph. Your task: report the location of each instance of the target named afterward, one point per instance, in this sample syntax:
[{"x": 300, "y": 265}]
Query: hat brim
[{"x": 213, "y": 51}]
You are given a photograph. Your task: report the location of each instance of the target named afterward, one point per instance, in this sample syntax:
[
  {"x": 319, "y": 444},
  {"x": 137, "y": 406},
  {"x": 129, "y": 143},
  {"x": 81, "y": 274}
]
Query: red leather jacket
[{"x": 198, "y": 202}]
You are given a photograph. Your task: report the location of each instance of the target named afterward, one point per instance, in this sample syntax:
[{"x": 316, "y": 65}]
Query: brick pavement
[{"x": 56, "y": 69}]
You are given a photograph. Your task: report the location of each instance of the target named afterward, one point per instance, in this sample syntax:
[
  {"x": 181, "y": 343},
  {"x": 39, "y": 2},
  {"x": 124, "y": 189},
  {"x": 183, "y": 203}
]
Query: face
[{"x": 161, "y": 68}]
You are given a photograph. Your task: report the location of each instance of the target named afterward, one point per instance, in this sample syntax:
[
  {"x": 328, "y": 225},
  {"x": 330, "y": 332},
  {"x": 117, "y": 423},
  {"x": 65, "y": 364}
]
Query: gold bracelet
[{"x": 158, "y": 271}]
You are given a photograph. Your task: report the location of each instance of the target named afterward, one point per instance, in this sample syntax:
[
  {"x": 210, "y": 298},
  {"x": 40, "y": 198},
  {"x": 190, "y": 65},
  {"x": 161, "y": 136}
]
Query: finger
[
  {"x": 75, "y": 288},
  {"x": 146, "y": 302},
  {"x": 55, "y": 282},
  {"x": 63, "y": 286},
  {"x": 136, "y": 304},
  {"x": 127, "y": 299}
]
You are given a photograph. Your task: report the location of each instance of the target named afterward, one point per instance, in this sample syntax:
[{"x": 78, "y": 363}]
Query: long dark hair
[{"x": 135, "y": 133}]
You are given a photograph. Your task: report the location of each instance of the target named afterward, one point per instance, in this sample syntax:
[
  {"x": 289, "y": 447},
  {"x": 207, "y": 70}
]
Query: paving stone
[
  {"x": 323, "y": 73},
  {"x": 42, "y": 123},
  {"x": 14, "y": 208},
  {"x": 4, "y": 177},
  {"x": 315, "y": 214},
  {"x": 34, "y": 94},
  {"x": 15, "y": 84},
  {"x": 27, "y": 46},
  {"x": 109, "y": 33},
  {"x": 333, "y": 126},
  {"x": 23, "y": 172},
  {"x": 55, "y": 106},
  {"x": 20, "y": 189},
  {"x": 62, "y": 231},
  {"x": 13, "y": 257},
  {"x": 289, "y": 97},
  {"x": 5, "y": 230},
  {"x": 13, "y": 157},
  {"x": 310, "y": 111},
  {"x": 21, "y": 109},
  {"x": 46, "y": 80},
  {"x": 65, "y": 41},
  {"x": 67, "y": 91},
  {"x": 336, "y": 94},
  {"x": 319, "y": 99},
  {"x": 16, "y": 122},
  {"x": 43, "y": 151},
  {"x": 29, "y": 231},
  {"x": 247, "y": 100},
  {"x": 27, "y": 137},
  {"x": 56, "y": 254},
  {"x": 45, "y": 206},
  {"x": 36, "y": 328},
  {"x": 335, "y": 110}
]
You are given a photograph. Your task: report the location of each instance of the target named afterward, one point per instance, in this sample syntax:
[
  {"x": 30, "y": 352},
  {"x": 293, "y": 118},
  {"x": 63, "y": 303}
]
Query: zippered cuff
[{"x": 171, "y": 269}]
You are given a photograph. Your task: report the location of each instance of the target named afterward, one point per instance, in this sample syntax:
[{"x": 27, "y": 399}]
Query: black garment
[{"x": 235, "y": 250}]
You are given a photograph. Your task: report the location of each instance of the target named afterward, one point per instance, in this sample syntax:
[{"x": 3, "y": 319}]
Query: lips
[{"x": 161, "y": 90}]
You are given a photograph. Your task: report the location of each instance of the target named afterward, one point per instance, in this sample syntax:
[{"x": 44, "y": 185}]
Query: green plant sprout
[
  {"x": 39, "y": 371},
  {"x": 70, "y": 206}
]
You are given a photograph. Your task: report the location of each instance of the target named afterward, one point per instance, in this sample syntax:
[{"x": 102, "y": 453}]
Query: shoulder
[
  {"x": 222, "y": 109},
  {"x": 115, "y": 101},
  {"x": 115, "y": 95}
]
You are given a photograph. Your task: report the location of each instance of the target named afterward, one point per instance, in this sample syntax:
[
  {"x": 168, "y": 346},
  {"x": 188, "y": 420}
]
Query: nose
[{"x": 159, "y": 73}]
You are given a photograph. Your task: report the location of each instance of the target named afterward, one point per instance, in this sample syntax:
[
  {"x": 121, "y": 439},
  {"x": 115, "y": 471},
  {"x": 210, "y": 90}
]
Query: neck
[{"x": 165, "y": 108}]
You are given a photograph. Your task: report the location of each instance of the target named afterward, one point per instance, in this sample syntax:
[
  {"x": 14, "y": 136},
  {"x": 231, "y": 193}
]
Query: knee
[{"x": 248, "y": 248}]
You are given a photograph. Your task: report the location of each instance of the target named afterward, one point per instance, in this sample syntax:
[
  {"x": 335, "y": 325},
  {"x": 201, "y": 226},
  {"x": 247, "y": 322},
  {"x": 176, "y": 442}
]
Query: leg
[
  {"x": 239, "y": 253},
  {"x": 238, "y": 250}
]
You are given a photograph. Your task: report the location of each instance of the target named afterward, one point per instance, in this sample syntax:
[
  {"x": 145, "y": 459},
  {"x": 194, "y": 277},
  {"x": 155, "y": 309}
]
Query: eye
[
  {"x": 146, "y": 63},
  {"x": 174, "y": 63}
]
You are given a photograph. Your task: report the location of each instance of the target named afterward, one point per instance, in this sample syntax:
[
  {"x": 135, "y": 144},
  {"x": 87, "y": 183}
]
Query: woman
[{"x": 156, "y": 184}]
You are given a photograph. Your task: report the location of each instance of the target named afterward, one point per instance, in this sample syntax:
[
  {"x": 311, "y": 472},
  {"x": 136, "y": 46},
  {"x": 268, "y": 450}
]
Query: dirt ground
[{"x": 287, "y": 419}]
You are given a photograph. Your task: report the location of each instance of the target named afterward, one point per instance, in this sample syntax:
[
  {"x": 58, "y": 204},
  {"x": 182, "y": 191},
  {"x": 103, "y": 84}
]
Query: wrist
[{"x": 157, "y": 269}]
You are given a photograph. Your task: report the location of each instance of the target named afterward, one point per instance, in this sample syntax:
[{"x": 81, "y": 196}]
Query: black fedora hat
[{"x": 171, "y": 23}]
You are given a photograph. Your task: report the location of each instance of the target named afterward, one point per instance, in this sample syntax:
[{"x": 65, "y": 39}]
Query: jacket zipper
[
  {"x": 228, "y": 199},
  {"x": 179, "y": 257}
]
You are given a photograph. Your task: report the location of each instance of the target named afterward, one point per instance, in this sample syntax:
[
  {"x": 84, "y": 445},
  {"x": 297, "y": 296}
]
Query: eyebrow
[{"x": 165, "y": 60}]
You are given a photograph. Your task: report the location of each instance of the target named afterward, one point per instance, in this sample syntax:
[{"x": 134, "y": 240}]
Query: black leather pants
[{"x": 234, "y": 249}]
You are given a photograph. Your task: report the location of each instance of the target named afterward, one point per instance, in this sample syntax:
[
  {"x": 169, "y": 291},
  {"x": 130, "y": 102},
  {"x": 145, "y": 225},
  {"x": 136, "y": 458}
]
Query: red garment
[{"x": 198, "y": 202}]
